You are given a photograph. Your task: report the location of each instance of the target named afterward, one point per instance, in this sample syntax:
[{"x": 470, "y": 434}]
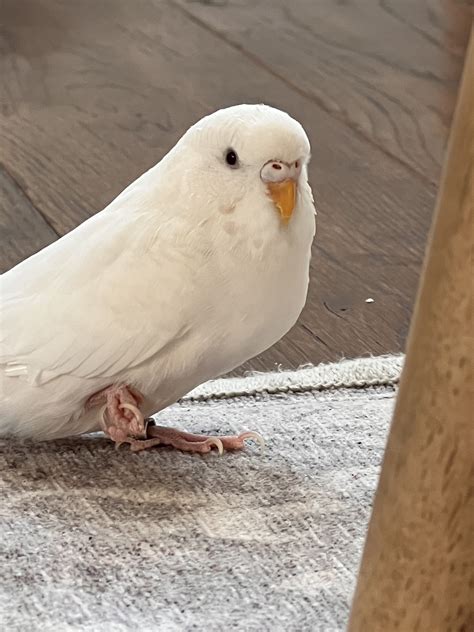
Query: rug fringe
[{"x": 359, "y": 373}]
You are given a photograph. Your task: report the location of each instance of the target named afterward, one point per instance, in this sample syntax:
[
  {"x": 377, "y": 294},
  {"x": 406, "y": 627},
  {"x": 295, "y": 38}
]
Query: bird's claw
[
  {"x": 216, "y": 442},
  {"x": 103, "y": 417},
  {"x": 135, "y": 410}
]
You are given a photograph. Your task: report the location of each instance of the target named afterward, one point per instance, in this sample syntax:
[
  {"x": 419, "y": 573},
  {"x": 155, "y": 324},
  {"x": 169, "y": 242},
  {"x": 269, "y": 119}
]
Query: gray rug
[{"x": 100, "y": 539}]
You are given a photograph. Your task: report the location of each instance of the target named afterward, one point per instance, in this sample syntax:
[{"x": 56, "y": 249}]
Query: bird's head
[{"x": 251, "y": 152}]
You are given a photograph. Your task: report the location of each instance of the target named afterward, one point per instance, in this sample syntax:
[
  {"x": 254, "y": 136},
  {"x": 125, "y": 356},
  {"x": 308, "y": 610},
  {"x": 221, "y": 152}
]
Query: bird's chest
[
  {"x": 235, "y": 302},
  {"x": 262, "y": 292}
]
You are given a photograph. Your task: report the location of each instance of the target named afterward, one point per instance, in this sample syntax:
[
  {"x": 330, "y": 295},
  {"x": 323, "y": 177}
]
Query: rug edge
[{"x": 356, "y": 373}]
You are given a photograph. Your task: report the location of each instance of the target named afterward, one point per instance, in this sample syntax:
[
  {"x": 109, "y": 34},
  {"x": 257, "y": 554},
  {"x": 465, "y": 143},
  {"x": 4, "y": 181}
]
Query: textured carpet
[{"x": 98, "y": 539}]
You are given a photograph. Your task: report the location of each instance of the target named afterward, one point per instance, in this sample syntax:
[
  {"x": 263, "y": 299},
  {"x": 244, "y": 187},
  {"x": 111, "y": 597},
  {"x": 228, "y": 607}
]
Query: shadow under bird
[{"x": 197, "y": 266}]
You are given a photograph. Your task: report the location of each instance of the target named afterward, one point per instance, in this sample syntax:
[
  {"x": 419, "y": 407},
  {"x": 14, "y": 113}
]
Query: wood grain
[
  {"x": 387, "y": 68},
  {"x": 21, "y": 226},
  {"x": 417, "y": 572},
  {"x": 94, "y": 93}
]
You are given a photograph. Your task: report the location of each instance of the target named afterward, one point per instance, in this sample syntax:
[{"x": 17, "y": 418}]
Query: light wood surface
[{"x": 417, "y": 571}]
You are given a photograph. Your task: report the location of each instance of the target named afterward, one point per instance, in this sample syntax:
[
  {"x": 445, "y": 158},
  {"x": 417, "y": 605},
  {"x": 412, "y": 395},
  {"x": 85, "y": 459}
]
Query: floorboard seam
[{"x": 28, "y": 199}]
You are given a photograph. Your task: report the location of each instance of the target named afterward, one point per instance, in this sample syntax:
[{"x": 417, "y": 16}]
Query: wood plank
[
  {"x": 389, "y": 69},
  {"x": 22, "y": 229},
  {"x": 96, "y": 92},
  {"x": 417, "y": 571}
]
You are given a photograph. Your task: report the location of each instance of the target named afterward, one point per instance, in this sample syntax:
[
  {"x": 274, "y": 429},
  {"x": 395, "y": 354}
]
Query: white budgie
[{"x": 199, "y": 265}]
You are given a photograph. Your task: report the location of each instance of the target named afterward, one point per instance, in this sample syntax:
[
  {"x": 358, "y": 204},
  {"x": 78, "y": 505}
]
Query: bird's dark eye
[{"x": 231, "y": 158}]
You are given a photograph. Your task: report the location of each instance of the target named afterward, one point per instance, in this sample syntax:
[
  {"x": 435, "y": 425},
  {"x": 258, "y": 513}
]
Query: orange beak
[{"x": 283, "y": 195}]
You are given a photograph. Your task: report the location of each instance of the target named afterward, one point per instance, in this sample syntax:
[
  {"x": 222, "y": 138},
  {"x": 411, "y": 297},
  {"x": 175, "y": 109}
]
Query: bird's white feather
[{"x": 185, "y": 275}]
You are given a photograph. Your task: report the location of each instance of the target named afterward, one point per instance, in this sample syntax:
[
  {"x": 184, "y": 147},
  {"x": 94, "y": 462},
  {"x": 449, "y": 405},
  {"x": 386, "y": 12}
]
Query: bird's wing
[{"x": 90, "y": 305}]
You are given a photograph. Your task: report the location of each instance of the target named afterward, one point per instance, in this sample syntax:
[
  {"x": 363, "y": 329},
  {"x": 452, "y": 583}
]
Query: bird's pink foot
[
  {"x": 123, "y": 421},
  {"x": 187, "y": 442},
  {"x": 120, "y": 416}
]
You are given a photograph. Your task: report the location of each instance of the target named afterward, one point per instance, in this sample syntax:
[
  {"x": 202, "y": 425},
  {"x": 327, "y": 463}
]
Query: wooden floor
[{"x": 94, "y": 92}]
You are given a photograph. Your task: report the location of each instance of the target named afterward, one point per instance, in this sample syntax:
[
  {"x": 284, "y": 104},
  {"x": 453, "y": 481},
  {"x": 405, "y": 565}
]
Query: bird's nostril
[
  {"x": 297, "y": 163},
  {"x": 276, "y": 166}
]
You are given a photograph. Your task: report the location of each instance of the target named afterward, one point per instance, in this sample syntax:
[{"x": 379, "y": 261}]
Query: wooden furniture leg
[{"x": 418, "y": 564}]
